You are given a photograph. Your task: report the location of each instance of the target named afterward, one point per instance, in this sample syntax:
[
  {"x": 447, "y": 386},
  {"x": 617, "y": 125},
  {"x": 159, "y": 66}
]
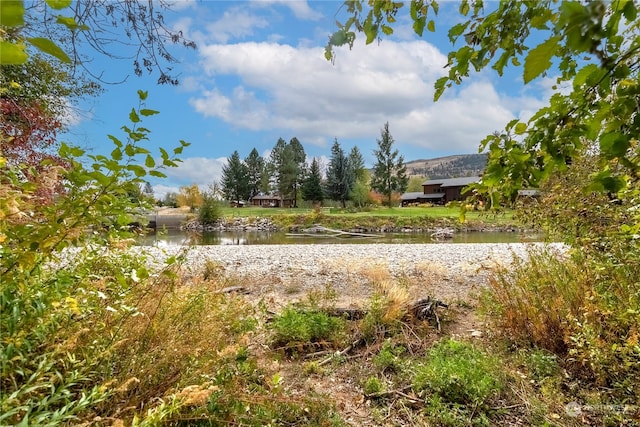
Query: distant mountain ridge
[{"x": 448, "y": 167}]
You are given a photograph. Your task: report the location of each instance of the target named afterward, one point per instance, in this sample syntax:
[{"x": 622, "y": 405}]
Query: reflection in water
[{"x": 174, "y": 237}]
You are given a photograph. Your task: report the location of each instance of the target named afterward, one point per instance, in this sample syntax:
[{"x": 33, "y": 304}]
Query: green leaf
[
  {"x": 177, "y": 150},
  {"x": 149, "y": 162},
  {"x": 431, "y": 26},
  {"x": 520, "y": 128},
  {"x": 440, "y": 86},
  {"x": 116, "y": 154},
  {"x": 604, "y": 181},
  {"x": 12, "y": 54},
  {"x": 58, "y": 4},
  {"x": 146, "y": 112},
  {"x": 456, "y": 31},
  {"x": 47, "y": 46},
  {"x": 157, "y": 174},
  {"x": 130, "y": 150},
  {"x": 464, "y": 8},
  {"x": 137, "y": 170},
  {"x": 76, "y": 151},
  {"x": 584, "y": 75},
  {"x": 418, "y": 25},
  {"x": 630, "y": 11},
  {"x": 539, "y": 59},
  {"x": 11, "y": 15},
  {"x": 614, "y": 144},
  {"x": 70, "y": 23},
  {"x": 115, "y": 140},
  {"x": 133, "y": 116},
  {"x": 163, "y": 152}
]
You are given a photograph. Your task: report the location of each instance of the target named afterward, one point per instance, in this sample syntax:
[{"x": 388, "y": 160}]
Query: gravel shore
[{"x": 289, "y": 272}]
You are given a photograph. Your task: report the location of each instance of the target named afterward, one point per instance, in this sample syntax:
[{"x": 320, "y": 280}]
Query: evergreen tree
[
  {"x": 312, "y": 186},
  {"x": 235, "y": 179},
  {"x": 340, "y": 177},
  {"x": 274, "y": 166},
  {"x": 298, "y": 160},
  {"x": 255, "y": 170},
  {"x": 357, "y": 164},
  {"x": 389, "y": 172}
]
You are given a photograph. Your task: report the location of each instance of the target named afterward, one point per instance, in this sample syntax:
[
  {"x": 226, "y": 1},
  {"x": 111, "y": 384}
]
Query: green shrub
[
  {"x": 541, "y": 364},
  {"x": 389, "y": 357},
  {"x": 373, "y": 385},
  {"x": 460, "y": 377},
  {"x": 298, "y": 328},
  {"x": 61, "y": 312},
  {"x": 210, "y": 211}
]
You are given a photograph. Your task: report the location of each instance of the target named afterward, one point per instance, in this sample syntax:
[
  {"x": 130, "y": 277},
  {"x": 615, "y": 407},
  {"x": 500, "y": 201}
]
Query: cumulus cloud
[
  {"x": 235, "y": 23},
  {"x": 294, "y": 89},
  {"x": 198, "y": 170},
  {"x": 285, "y": 87}
]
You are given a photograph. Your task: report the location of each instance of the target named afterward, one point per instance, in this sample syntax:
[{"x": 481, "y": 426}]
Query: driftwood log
[
  {"x": 321, "y": 231},
  {"x": 421, "y": 309}
]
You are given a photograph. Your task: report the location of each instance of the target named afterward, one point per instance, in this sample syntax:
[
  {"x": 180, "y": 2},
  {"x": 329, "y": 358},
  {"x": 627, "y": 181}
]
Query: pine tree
[
  {"x": 357, "y": 164},
  {"x": 312, "y": 186},
  {"x": 255, "y": 170},
  {"x": 340, "y": 177},
  {"x": 235, "y": 179},
  {"x": 389, "y": 172}
]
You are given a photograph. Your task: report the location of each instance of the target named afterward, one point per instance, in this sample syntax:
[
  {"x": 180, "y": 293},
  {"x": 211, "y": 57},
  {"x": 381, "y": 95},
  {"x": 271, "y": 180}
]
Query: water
[{"x": 175, "y": 237}]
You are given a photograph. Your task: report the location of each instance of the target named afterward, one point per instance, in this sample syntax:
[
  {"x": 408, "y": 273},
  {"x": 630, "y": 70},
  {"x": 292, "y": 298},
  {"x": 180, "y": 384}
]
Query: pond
[{"x": 175, "y": 237}]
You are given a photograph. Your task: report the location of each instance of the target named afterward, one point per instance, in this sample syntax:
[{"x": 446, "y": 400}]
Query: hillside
[{"x": 449, "y": 166}]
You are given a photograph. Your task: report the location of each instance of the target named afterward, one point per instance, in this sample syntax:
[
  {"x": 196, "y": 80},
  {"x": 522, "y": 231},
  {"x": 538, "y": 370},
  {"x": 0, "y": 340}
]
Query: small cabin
[
  {"x": 271, "y": 201},
  {"x": 440, "y": 191}
]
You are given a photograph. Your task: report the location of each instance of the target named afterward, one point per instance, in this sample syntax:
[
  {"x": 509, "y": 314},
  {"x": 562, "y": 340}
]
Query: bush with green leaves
[
  {"x": 59, "y": 317},
  {"x": 457, "y": 377},
  {"x": 210, "y": 211},
  {"x": 299, "y": 328},
  {"x": 389, "y": 358}
]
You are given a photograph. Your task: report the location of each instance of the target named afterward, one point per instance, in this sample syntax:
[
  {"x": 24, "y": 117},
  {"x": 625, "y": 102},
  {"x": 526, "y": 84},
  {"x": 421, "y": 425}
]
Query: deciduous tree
[{"x": 190, "y": 195}]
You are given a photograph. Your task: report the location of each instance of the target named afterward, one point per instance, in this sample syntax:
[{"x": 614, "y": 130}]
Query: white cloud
[
  {"x": 199, "y": 170},
  {"x": 300, "y": 8},
  {"x": 161, "y": 190},
  {"x": 279, "y": 86},
  {"x": 235, "y": 23}
]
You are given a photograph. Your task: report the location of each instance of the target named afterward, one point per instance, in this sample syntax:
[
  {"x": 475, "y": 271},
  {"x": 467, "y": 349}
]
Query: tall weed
[{"x": 585, "y": 308}]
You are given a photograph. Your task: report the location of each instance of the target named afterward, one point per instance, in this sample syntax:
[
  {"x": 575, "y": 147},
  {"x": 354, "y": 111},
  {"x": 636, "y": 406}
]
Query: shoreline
[{"x": 286, "y": 273}]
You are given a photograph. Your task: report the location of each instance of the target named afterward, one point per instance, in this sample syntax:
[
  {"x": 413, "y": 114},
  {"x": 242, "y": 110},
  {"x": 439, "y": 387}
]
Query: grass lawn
[{"x": 434, "y": 212}]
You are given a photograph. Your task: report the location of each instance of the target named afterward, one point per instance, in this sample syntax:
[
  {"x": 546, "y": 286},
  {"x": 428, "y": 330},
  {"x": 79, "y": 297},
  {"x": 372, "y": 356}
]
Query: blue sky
[{"x": 259, "y": 74}]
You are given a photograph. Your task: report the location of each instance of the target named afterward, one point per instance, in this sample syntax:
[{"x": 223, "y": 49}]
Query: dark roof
[
  {"x": 267, "y": 197},
  {"x": 453, "y": 182},
  {"x": 420, "y": 195}
]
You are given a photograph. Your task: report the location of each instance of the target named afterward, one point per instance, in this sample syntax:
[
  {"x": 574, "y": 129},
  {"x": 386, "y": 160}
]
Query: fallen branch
[
  {"x": 399, "y": 392},
  {"x": 340, "y": 353},
  {"x": 321, "y": 231}
]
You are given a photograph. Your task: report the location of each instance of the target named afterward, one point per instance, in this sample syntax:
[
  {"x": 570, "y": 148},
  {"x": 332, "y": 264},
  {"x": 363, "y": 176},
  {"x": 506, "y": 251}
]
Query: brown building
[
  {"x": 440, "y": 191},
  {"x": 271, "y": 201}
]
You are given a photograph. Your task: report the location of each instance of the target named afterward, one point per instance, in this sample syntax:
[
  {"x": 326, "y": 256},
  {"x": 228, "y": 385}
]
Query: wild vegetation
[{"x": 91, "y": 335}]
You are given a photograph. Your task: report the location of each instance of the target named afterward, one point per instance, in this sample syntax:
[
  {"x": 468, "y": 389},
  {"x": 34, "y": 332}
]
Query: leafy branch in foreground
[
  {"x": 47, "y": 303},
  {"x": 595, "y": 46}
]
